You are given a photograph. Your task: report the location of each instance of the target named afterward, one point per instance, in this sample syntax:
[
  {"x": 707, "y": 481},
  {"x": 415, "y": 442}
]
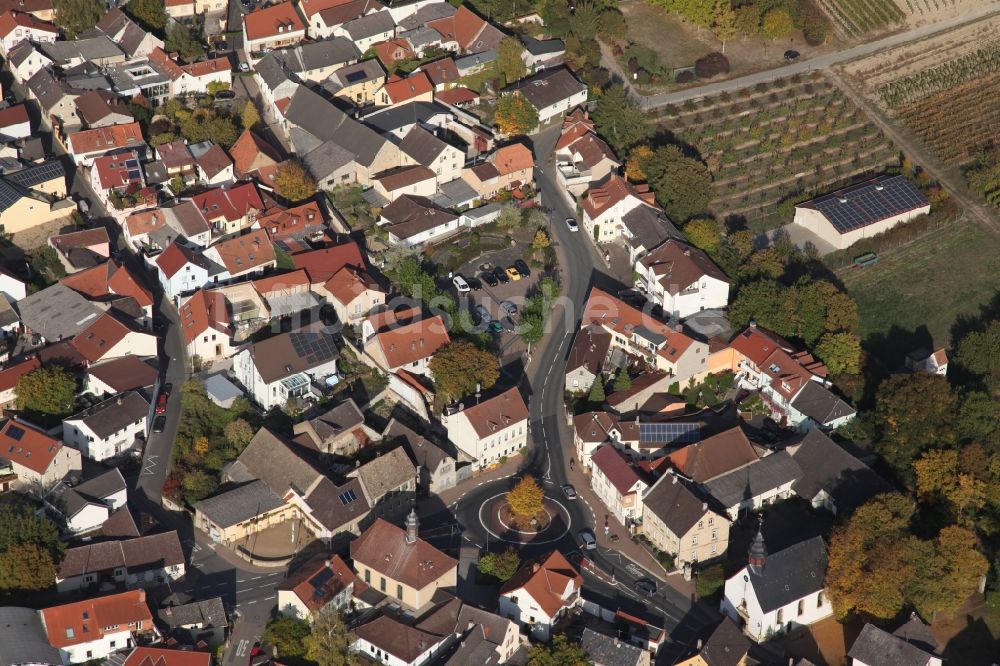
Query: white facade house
[
  {"x": 617, "y": 484},
  {"x": 392, "y": 643},
  {"x": 284, "y": 366},
  {"x": 754, "y": 486},
  {"x": 17, "y": 27},
  {"x": 779, "y": 592},
  {"x": 140, "y": 562},
  {"x": 26, "y": 60},
  {"x": 553, "y": 92},
  {"x": 96, "y": 628},
  {"x": 12, "y": 288},
  {"x": 682, "y": 279},
  {"x": 108, "y": 428},
  {"x": 540, "y": 593},
  {"x": 846, "y": 216},
  {"x": 85, "y": 507},
  {"x": 493, "y": 429}
]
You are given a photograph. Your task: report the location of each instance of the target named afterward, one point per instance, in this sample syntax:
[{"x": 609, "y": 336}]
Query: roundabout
[{"x": 552, "y": 525}]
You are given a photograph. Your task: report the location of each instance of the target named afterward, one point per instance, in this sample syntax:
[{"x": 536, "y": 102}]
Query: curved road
[{"x": 552, "y": 438}]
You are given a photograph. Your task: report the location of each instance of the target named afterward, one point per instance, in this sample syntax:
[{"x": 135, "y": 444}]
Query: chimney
[
  {"x": 687, "y": 252},
  {"x": 673, "y": 478},
  {"x": 535, "y": 567},
  {"x": 119, "y": 401},
  {"x": 704, "y": 506},
  {"x": 698, "y": 646},
  {"x": 753, "y": 324}
]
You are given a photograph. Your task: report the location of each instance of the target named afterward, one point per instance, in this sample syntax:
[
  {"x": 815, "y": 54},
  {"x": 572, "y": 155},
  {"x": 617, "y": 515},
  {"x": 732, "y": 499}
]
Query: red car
[{"x": 161, "y": 403}]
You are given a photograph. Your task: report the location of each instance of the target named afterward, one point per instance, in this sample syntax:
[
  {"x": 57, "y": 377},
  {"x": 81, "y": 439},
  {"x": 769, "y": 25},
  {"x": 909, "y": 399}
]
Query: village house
[
  {"x": 14, "y": 122},
  {"x": 678, "y": 521},
  {"x": 98, "y": 627},
  {"x": 402, "y": 341},
  {"x": 272, "y": 27},
  {"x": 34, "y": 196},
  {"x": 911, "y": 644},
  {"x": 582, "y": 157},
  {"x": 682, "y": 279},
  {"x": 138, "y": 562},
  {"x": 282, "y": 367},
  {"x": 108, "y": 428},
  {"x": 357, "y": 83},
  {"x": 109, "y": 337},
  {"x": 617, "y": 483},
  {"x": 41, "y": 462},
  {"x": 490, "y": 430},
  {"x": 87, "y": 145},
  {"x": 353, "y": 293},
  {"x": 17, "y": 27},
  {"x": 540, "y": 594},
  {"x": 204, "y": 321},
  {"x": 552, "y": 92},
  {"x": 230, "y": 210},
  {"x": 662, "y": 346},
  {"x": 319, "y": 583},
  {"x": 25, "y": 60},
  {"x": 112, "y": 283},
  {"x": 507, "y": 168},
  {"x": 246, "y": 256},
  {"x": 401, "y": 565},
  {"x": 415, "y": 220},
  {"x": 84, "y": 508},
  {"x": 339, "y": 430},
  {"x": 391, "y": 642}
]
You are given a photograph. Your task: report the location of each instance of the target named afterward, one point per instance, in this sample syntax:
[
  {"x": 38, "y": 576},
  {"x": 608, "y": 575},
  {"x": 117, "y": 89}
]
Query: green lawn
[{"x": 913, "y": 296}]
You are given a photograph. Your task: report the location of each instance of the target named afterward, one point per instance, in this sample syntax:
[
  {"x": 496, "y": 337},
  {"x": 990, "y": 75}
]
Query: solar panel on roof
[
  {"x": 348, "y": 497},
  {"x": 669, "y": 433},
  {"x": 320, "y": 579},
  {"x": 869, "y": 203},
  {"x": 131, "y": 164},
  {"x": 355, "y": 76},
  {"x": 133, "y": 175},
  {"x": 15, "y": 433}
]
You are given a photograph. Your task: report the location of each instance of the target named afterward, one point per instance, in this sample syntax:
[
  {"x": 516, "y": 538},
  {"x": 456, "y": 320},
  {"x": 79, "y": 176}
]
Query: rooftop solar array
[
  {"x": 669, "y": 433},
  {"x": 35, "y": 174},
  {"x": 348, "y": 497},
  {"x": 15, "y": 433},
  {"x": 868, "y": 203},
  {"x": 313, "y": 347}
]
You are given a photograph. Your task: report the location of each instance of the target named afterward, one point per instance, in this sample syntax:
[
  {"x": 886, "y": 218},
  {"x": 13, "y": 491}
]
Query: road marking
[
  {"x": 632, "y": 569},
  {"x": 270, "y": 598},
  {"x": 242, "y": 648},
  {"x": 252, "y": 602},
  {"x": 256, "y": 578}
]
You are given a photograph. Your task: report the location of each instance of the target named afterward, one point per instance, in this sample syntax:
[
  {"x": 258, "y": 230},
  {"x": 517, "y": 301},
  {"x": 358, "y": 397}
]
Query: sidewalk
[{"x": 452, "y": 495}]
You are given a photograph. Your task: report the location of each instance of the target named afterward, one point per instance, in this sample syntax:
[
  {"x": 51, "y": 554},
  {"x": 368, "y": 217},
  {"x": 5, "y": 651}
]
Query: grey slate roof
[
  {"x": 827, "y": 466},
  {"x": 876, "y": 647},
  {"x": 220, "y": 388},
  {"x": 23, "y": 639},
  {"x": 114, "y": 414},
  {"x": 790, "y": 574},
  {"x": 271, "y": 459},
  {"x": 386, "y": 473},
  {"x": 553, "y": 86},
  {"x": 316, "y": 115},
  {"x": 422, "y": 146},
  {"x": 57, "y": 312},
  {"x": 422, "y": 36},
  {"x": 328, "y": 507},
  {"x": 649, "y": 227},
  {"x": 209, "y": 613},
  {"x": 726, "y": 646},
  {"x": 326, "y": 158},
  {"x": 239, "y": 504},
  {"x": 404, "y": 115},
  {"x": 70, "y": 501},
  {"x": 456, "y": 192},
  {"x": 20, "y": 52},
  {"x": 271, "y": 70},
  {"x": 609, "y": 651},
  {"x": 821, "y": 404},
  {"x": 470, "y": 62},
  {"x": 673, "y": 502},
  {"x": 538, "y": 47},
  {"x": 430, "y": 12},
  {"x": 754, "y": 479},
  {"x": 343, "y": 417},
  {"x": 318, "y": 55},
  {"x": 370, "y": 25},
  {"x": 423, "y": 451},
  {"x": 366, "y": 70},
  {"x": 90, "y": 48}
]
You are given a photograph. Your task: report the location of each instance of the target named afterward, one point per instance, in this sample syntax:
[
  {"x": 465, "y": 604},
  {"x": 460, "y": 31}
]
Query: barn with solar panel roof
[{"x": 844, "y": 217}]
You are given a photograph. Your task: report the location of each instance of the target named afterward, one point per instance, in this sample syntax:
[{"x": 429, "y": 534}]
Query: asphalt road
[
  {"x": 615, "y": 575},
  {"x": 648, "y": 102}
]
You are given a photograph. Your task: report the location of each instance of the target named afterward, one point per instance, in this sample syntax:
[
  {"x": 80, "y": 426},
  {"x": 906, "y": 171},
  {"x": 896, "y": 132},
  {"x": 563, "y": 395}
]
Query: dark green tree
[
  {"x": 765, "y": 302},
  {"x": 559, "y": 652},
  {"x": 76, "y": 16},
  {"x": 683, "y": 185},
  {"x": 622, "y": 381},
  {"x": 151, "y": 14},
  {"x": 509, "y": 60},
  {"x": 501, "y": 566},
  {"x": 596, "y": 396},
  {"x": 979, "y": 353},
  {"x": 181, "y": 40},
  {"x": 288, "y": 635},
  {"x": 913, "y": 413},
  {"x": 585, "y": 21},
  {"x": 618, "y": 120},
  {"x": 49, "y": 391}
]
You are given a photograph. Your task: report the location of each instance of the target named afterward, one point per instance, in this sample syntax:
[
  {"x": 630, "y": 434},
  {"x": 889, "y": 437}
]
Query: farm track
[{"x": 916, "y": 150}]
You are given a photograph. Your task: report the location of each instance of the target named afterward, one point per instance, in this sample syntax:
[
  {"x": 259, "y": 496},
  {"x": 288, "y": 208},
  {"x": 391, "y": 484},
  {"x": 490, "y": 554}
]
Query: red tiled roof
[
  {"x": 391, "y": 50},
  {"x": 314, "y": 587},
  {"x": 575, "y": 125},
  {"x": 175, "y": 154},
  {"x": 11, "y": 20},
  {"x": 150, "y": 656},
  {"x": 245, "y": 253},
  {"x": 114, "y": 171},
  {"x": 400, "y": 177},
  {"x": 602, "y": 197},
  {"x": 548, "y": 584},
  {"x": 172, "y": 259},
  {"x": 512, "y": 158},
  {"x": 165, "y": 63},
  {"x": 32, "y": 448},
  {"x": 412, "y": 342},
  {"x": 108, "y": 279},
  {"x": 399, "y": 89},
  {"x": 715, "y": 456},
  {"x": 310, "y": 7},
  {"x": 265, "y": 22},
  {"x": 97, "y": 339},
  {"x": 348, "y": 283},
  {"x": 230, "y": 203},
  {"x": 615, "y": 466},
  {"x": 292, "y": 221},
  {"x": 322, "y": 264},
  {"x": 383, "y": 547},
  {"x": 274, "y": 284},
  {"x": 88, "y": 620},
  {"x": 497, "y": 413},
  {"x": 463, "y": 27},
  {"x": 457, "y": 96},
  {"x": 105, "y": 139},
  {"x": 205, "y": 309},
  {"x": 14, "y": 115},
  {"x": 207, "y": 67},
  {"x": 10, "y": 375},
  {"x": 609, "y": 312},
  {"x": 252, "y": 152}
]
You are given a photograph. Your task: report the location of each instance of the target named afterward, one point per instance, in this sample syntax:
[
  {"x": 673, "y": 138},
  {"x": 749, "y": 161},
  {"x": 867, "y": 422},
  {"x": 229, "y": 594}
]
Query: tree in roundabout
[{"x": 525, "y": 505}]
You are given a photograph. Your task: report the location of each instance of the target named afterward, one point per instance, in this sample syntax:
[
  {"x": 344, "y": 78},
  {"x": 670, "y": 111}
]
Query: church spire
[
  {"x": 758, "y": 552},
  {"x": 412, "y": 526}
]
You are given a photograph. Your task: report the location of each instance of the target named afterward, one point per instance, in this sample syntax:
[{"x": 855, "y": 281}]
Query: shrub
[
  {"x": 687, "y": 76},
  {"x": 709, "y": 581},
  {"x": 643, "y": 77},
  {"x": 711, "y": 65}
]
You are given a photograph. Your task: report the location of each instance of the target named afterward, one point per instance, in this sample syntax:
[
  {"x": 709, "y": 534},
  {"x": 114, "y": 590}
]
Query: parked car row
[{"x": 492, "y": 276}]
